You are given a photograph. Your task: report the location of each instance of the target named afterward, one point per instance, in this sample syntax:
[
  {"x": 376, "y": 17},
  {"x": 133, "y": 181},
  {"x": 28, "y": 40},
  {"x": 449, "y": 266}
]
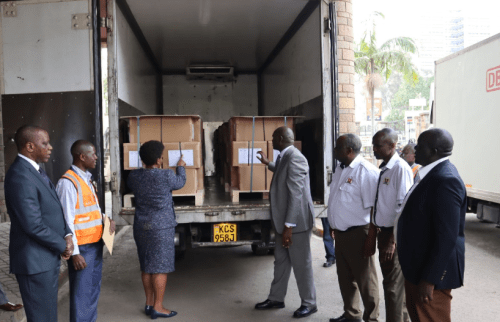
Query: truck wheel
[{"x": 260, "y": 250}]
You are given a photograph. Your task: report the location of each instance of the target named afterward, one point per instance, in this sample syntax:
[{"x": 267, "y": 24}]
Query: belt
[{"x": 352, "y": 228}]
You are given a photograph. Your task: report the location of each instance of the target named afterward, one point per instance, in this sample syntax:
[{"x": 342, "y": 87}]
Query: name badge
[
  {"x": 349, "y": 180},
  {"x": 386, "y": 181}
]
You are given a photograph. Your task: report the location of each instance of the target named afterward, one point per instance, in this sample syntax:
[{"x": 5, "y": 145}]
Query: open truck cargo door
[{"x": 51, "y": 77}]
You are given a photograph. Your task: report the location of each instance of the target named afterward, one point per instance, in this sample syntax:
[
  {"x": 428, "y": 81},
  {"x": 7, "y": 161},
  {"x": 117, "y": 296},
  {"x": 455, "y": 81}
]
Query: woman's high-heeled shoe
[
  {"x": 148, "y": 309},
  {"x": 155, "y": 315}
]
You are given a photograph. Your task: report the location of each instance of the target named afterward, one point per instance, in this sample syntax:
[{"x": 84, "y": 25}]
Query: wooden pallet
[
  {"x": 199, "y": 197},
  {"x": 235, "y": 194}
]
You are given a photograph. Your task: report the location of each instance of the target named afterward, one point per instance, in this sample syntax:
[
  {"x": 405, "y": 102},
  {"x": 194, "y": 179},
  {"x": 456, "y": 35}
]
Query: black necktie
[
  {"x": 378, "y": 186},
  {"x": 278, "y": 161},
  {"x": 46, "y": 178}
]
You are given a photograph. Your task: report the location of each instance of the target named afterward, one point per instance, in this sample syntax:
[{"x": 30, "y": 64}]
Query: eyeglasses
[{"x": 403, "y": 154}]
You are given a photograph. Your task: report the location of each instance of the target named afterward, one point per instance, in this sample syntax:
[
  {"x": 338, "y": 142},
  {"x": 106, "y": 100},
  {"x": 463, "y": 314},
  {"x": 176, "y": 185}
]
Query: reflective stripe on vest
[{"x": 88, "y": 218}]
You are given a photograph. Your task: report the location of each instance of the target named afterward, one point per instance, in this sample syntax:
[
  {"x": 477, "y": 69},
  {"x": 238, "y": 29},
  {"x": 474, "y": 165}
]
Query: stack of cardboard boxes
[
  {"x": 242, "y": 137},
  {"x": 181, "y": 135}
]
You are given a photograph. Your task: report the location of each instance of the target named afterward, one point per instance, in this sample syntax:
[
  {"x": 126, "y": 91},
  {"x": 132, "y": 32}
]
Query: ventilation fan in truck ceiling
[{"x": 222, "y": 73}]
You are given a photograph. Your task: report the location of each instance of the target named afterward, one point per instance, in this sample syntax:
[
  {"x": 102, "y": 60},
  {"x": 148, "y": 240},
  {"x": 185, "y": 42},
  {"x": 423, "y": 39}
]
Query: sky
[{"x": 402, "y": 16}]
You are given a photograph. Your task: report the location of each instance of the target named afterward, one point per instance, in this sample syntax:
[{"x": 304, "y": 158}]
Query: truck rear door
[{"x": 50, "y": 77}]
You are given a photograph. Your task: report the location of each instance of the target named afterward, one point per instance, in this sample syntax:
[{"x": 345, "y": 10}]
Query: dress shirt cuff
[
  {"x": 289, "y": 225},
  {"x": 68, "y": 235}
]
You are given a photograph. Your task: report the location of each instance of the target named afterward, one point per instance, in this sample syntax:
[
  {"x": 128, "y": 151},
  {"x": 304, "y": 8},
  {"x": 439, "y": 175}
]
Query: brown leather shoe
[{"x": 10, "y": 307}]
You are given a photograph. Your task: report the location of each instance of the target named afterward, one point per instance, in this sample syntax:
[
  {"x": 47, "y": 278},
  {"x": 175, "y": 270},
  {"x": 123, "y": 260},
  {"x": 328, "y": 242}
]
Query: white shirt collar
[
  {"x": 392, "y": 161},
  {"x": 357, "y": 160},
  {"x": 87, "y": 176},
  {"x": 282, "y": 153},
  {"x": 33, "y": 163},
  {"x": 423, "y": 171}
]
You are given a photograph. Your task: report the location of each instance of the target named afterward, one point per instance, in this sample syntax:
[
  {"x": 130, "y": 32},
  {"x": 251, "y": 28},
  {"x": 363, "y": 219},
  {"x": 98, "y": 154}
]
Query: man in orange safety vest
[{"x": 78, "y": 195}]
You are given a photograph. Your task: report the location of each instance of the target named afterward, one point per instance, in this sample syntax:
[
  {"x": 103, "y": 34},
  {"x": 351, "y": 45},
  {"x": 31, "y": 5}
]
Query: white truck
[
  {"x": 467, "y": 103},
  {"x": 212, "y": 58}
]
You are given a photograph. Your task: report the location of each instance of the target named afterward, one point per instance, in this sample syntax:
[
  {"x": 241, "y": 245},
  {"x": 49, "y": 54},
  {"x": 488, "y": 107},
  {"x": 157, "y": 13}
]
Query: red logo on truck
[{"x": 493, "y": 79}]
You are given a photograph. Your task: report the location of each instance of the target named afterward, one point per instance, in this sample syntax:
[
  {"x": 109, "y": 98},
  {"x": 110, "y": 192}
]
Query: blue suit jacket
[
  {"x": 37, "y": 221},
  {"x": 430, "y": 237}
]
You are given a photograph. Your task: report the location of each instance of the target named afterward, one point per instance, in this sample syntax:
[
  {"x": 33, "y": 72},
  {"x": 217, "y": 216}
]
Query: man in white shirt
[
  {"x": 395, "y": 180},
  {"x": 83, "y": 215},
  {"x": 352, "y": 195}
]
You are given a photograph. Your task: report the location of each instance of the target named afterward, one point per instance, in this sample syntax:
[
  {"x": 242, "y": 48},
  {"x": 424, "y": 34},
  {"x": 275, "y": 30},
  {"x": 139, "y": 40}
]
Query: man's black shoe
[
  {"x": 329, "y": 263},
  {"x": 268, "y": 304},
  {"x": 342, "y": 318},
  {"x": 304, "y": 311}
]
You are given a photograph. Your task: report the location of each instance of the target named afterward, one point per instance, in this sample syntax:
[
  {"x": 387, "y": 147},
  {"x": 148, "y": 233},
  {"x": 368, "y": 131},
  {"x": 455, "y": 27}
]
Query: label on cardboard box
[
  {"x": 175, "y": 155},
  {"x": 133, "y": 159},
  {"x": 245, "y": 156}
]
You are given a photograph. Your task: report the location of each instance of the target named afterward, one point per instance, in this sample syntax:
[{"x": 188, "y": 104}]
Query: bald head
[
  {"x": 433, "y": 144},
  {"x": 282, "y": 138},
  {"x": 387, "y": 135},
  {"x": 80, "y": 147}
]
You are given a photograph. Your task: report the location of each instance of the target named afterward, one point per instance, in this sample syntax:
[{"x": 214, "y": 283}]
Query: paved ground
[{"x": 223, "y": 284}]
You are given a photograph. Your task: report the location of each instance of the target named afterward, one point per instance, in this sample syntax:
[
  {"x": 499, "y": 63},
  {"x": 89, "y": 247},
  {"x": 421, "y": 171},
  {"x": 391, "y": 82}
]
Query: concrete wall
[
  {"x": 213, "y": 101},
  {"x": 136, "y": 76}
]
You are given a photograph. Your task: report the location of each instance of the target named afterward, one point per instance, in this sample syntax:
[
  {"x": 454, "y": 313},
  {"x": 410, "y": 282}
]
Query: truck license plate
[{"x": 224, "y": 233}]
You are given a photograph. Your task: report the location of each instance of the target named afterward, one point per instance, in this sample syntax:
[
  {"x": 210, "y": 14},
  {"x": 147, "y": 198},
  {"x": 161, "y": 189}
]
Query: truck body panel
[{"x": 467, "y": 104}]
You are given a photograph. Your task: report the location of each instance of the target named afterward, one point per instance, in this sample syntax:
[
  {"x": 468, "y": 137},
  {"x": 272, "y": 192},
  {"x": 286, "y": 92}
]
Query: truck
[
  {"x": 466, "y": 103},
  {"x": 215, "y": 59}
]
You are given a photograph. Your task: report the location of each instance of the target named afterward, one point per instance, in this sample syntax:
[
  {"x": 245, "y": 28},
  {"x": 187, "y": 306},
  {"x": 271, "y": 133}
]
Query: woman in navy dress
[{"x": 154, "y": 223}]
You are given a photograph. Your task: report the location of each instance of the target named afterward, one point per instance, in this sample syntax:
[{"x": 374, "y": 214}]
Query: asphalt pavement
[{"x": 223, "y": 284}]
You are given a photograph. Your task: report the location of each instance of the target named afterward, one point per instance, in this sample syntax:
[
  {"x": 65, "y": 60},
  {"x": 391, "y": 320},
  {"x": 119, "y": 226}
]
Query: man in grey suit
[
  {"x": 39, "y": 236},
  {"x": 292, "y": 216}
]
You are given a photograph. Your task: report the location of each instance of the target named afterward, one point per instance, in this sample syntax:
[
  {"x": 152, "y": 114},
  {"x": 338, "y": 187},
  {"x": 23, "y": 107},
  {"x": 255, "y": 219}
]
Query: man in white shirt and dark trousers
[
  {"x": 83, "y": 215},
  {"x": 352, "y": 194},
  {"x": 395, "y": 179}
]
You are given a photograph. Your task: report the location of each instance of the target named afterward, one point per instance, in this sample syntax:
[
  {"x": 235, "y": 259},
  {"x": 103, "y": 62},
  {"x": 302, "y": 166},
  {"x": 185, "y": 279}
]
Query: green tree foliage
[
  {"x": 379, "y": 62},
  {"x": 406, "y": 92}
]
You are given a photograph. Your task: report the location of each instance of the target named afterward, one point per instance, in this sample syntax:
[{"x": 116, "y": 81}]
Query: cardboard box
[
  {"x": 258, "y": 181},
  {"x": 269, "y": 178},
  {"x": 131, "y": 159},
  {"x": 191, "y": 185},
  {"x": 201, "y": 178},
  {"x": 149, "y": 129},
  {"x": 181, "y": 128},
  {"x": 272, "y": 123},
  {"x": 190, "y": 150},
  {"x": 273, "y": 154},
  {"x": 241, "y": 128},
  {"x": 242, "y": 153}
]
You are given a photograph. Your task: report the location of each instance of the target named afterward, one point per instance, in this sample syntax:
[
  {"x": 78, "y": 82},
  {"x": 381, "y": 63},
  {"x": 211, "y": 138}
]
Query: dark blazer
[
  {"x": 37, "y": 227},
  {"x": 430, "y": 235},
  {"x": 290, "y": 192}
]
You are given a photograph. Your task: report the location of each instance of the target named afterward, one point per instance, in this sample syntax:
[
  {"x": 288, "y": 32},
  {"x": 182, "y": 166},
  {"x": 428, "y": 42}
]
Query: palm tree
[{"x": 377, "y": 63}]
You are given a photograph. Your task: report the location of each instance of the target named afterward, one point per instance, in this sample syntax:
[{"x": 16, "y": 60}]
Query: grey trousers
[
  {"x": 357, "y": 275},
  {"x": 298, "y": 257}
]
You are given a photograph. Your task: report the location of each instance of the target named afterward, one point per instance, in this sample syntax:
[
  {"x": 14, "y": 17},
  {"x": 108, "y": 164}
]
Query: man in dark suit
[
  {"x": 292, "y": 215},
  {"x": 430, "y": 230},
  {"x": 39, "y": 236}
]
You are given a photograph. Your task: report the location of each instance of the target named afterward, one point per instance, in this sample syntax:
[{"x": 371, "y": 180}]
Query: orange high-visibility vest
[
  {"x": 88, "y": 218},
  {"x": 415, "y": 168}
]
